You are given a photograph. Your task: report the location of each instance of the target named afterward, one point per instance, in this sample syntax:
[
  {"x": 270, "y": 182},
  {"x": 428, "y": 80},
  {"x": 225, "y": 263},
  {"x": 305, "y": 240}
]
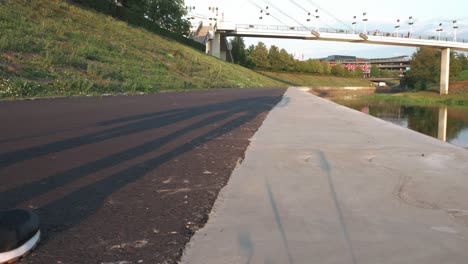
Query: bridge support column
[
  {"x": 213, "y": 46},
  {"x": 442, "y": 133},
  {"x": 445, "y": 71}
]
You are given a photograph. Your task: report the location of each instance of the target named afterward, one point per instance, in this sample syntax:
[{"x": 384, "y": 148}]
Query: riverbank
[
  {"x": 447, "y": 123},
  {"x": 420, "y": 98}
]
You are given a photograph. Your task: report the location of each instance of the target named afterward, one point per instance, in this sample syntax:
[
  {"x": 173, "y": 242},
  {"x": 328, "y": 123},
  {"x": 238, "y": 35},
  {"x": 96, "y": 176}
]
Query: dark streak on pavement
[{"x": 126, "y": 178}]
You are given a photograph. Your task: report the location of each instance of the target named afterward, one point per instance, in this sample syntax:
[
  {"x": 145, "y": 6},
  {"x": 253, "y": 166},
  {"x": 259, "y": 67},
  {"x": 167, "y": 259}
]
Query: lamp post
[
  {"x": 264, "y": 12},
  {"x": 354, "y": 24},
  {"x": 455, "y": 27},
  {"x": 397, "y": 28},
  {"x": 190, "y": 9},
  {"x": 364, "y": 19},
  {"x": 317, "y": 17},
  {"x": 411, "y": 23},
  {"x": 439, "y": 30},
  {"x": 309, "y": 19},
  {"x": 214, "y": 13}
]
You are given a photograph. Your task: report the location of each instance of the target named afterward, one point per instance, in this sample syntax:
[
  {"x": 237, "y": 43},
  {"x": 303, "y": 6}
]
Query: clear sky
[{"x": 382, "y": 15}]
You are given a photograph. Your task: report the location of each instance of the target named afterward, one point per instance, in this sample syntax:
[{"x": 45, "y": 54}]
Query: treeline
[
  {"x": 165, "y": 18},
  {"x": 425, "y": 67},
  {"x": 260, "y": 57},
  {"x": 379, "y": 73}
]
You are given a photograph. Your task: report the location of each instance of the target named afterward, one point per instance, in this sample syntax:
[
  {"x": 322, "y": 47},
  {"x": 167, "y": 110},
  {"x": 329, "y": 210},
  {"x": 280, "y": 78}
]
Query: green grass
[
  {"x": 54, "y": 48},
  {"x": 420, "y": 98},
  {"x": 463, "y": 76},
  {"x": 303, "y": 79}
]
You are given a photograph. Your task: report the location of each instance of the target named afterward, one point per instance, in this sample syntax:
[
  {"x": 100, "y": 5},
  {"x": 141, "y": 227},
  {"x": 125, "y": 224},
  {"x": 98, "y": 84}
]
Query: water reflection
[
  {"x": 442, "y": 132},
  {"x": 445, "y": 123}
]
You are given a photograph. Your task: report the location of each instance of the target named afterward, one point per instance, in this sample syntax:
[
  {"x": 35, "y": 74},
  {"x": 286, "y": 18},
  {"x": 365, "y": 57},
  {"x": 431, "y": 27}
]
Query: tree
[
  {"x": 347, "y": 73},
  {"x": 260, "y": 56},
  {"x": 166, "y": 14},
  {"x": 287, "y": 60},
  {"x": 326, "y": 67},
  {"x": 338, "y": 70},
  {"x": 359, "y": 72},
  {"x": 300, "y": 66},
  {"x": 248, "y": 60},
  {"x": 375, "y": 71},
  {"x": 135, "y": 6},
  {"x": 239, "y": 53},
  {"x": 425, "y": 68},
  {"x": 313, "y": 66},
  {"x": 463, "y": 61},
  {"x": 274, "y": 58},
  {"x": 456, "y": 65}
]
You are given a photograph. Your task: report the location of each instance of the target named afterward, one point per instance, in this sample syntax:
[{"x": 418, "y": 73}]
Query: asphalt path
[{"x": 124, "y": 179}]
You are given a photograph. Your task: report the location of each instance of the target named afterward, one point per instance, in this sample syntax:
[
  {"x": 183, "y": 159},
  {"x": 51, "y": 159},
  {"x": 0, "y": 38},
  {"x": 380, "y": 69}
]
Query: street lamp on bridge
[
  {"x": 455, "y": 27},
  {"x": 317, "y": 17},
  {"x": 439, "y": 30},
  {"x": 316, "y": 31},
  {"x": 214, "y": 13},
  {"x": 397, "y": 28},
  {"x": 411, "y": 23},
  {"x": 262, "y": 12},
  {"x": 364, "y": 19},
  {"x": 190, "y": 9},
  {"x": 354, "y": 24}
]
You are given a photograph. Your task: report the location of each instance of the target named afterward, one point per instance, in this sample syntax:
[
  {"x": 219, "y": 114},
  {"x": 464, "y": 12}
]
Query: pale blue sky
[{"x": 382, "y": 15}]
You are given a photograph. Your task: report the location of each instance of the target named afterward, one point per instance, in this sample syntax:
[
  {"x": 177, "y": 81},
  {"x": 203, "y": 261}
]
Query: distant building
[
  {"x": 340, "y": 59},
  {"x": 400, "y": 63}
]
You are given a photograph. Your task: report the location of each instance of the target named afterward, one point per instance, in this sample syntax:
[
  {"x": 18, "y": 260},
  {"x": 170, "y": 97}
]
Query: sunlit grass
[
  {"x": 421, "y": 98},
  {"x": 303, "y": 79},
  {"x": 54, "y": 48}
]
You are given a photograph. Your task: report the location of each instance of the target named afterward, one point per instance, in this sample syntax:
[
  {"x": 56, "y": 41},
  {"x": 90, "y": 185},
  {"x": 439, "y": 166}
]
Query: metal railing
[{"x": 376, "y": 33}]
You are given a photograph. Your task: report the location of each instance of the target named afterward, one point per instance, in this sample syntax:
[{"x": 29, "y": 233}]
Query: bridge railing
[{"x": 350, "y": 32}]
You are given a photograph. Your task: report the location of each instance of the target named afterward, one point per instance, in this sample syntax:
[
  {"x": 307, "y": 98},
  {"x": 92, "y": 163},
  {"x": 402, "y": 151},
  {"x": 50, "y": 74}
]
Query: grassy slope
[
  {"x": 53, "y": 48},
  {"x": 302, "y": 79}
]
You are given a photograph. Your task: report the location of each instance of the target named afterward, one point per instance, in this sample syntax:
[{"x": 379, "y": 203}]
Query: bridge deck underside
[{"x": 351, "y": 38}]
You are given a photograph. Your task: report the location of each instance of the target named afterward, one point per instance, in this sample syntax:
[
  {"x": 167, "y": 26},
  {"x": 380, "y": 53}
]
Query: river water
[{"x": 445, "y": 123}]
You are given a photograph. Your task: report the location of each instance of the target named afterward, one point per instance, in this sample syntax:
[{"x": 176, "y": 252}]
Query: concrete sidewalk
[{"x": 325, "y": 184}]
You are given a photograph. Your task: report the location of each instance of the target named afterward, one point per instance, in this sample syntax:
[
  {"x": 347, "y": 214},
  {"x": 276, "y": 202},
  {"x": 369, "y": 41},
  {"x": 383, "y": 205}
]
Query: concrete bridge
[{"x": 217, "y": 36}]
